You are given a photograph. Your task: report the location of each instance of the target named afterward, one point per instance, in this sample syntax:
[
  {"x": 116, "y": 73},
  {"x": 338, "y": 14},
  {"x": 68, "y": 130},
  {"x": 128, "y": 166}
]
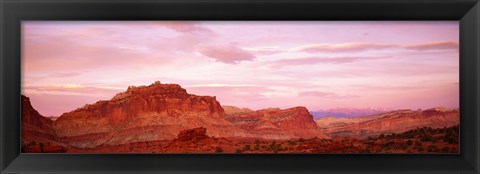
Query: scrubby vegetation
[{"x": 420, "y": 140}]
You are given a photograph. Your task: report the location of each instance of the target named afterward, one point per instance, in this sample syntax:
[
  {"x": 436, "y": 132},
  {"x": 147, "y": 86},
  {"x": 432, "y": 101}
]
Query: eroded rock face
[
  {"x": 34, "y": 126},
  {"x": 196, "y": 140},
  {"x": 192, "y": 134},
  {"x": 160, "y": 111},
  {"x": 274, "y": 123},
  {"x": 233, "y": 110},
  {"x": 37, "y": 131},
  {"x": 144, "y": 113},
  {"x": 390, "y": 122},
  {"x": 31, "y": 117}
]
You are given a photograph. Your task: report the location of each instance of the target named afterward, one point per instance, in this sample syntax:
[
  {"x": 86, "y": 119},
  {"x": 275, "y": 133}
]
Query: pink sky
[{"x": 320, "y": 65}]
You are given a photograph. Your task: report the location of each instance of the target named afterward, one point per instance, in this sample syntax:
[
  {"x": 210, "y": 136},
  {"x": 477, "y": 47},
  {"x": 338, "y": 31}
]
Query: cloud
[
  {"x": 269, "y": 50},
  {"x": 426, "y": 85},
  {"x": 186, "y": 27},
  {"x": 324, "y": 94},
  {"x": 64, "y": 74},
  {"x": 227, "y": 54},
  {"x": 231, "y": 94},
  {"x": 315, "y": 60},
  {"x": 342, "y": 47},
  {"x": 72, "y": 89},
  {"x": 55, "y": 105},
  {"x": 447, "y": 45}
]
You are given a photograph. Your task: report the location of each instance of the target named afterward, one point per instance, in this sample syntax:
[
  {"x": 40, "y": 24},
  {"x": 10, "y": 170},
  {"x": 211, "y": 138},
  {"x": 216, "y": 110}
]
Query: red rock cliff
[
  {"x": 274, "y": 123},
  {"x": 144, "y": 113},
  {"x": 389, "y": 122},
  {"x": 34, "y": 126}
]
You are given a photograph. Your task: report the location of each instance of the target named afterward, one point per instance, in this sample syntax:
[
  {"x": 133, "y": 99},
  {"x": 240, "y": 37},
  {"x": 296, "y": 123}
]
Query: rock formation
[
  {"x": 144, "y": 113},
  {"x": 37, "y": 131},
  {"x": 34, "y": 126},
  {"x": 196, "y": 140},
  {"x": 274, "y": 123},
  {"x": 192, "y": 134},
  {"x": 232, "y": 110},
  {"x": 390, "y": 122}
]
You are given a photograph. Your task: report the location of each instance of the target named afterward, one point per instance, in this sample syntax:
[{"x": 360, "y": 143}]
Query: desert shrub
[
  {"x": 218, "y": 149},
  {"x": 370, "y": 143},
  {"x": 403, "y": 146},
  {"x": 275, "y": 150},
  {"x": 246, "y": 147},
  {"x": 257, "y": 142},
  {"x": 409, "y": 142},
  {"x": 432, "y": 148},
  {"x": 426, "y": 139},
  {"x": 387, "y": 144},
  {"x": 450, "y": 139},
  {"x": 365, "y": 151},
  {"x": 277, "y": 147},
  {"x": 41, "y": 147},
  {"x": 418, "y": 143},
  {"x": 274, "y": 143}
]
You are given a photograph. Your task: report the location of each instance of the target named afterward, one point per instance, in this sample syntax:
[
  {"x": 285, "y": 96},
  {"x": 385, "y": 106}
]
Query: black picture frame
[{"x": 14, "y": 11}]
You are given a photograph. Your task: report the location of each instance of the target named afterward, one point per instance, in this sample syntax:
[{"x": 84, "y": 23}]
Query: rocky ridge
[{"x": 390, "y": 122}]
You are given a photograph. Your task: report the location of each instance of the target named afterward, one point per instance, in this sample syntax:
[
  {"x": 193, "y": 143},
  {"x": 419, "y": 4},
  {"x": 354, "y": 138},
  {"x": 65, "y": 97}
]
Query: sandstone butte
[{"x": 160, "y": 111}]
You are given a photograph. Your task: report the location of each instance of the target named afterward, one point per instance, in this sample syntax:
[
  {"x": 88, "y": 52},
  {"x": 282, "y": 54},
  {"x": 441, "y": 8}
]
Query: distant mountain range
[{"x": 348, "y": 112}]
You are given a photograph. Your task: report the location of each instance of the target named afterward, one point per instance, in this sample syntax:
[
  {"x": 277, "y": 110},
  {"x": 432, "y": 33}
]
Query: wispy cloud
[
  {"x": 64, "y": 74},
  {"x": 315, "y": 60},
  {"x": 225, "y": 53},
  {"x": 341, "y": 47},
  {"x": 248, "y": 64},
  {"x": 359, "y": 47},
  {"x": 186, "y": 27},
  {"x": 324, "y": 94},
  {"x": 266, "y": 50},
  {"x": 446, "y": 45},
  {"x": 71, "y": 89},
  {"x": 232, "y": 94}
]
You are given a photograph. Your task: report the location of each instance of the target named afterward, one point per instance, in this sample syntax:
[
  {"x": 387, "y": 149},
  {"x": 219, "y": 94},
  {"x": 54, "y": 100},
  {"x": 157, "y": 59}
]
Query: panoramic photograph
[{"x": 240, "y": 87}]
